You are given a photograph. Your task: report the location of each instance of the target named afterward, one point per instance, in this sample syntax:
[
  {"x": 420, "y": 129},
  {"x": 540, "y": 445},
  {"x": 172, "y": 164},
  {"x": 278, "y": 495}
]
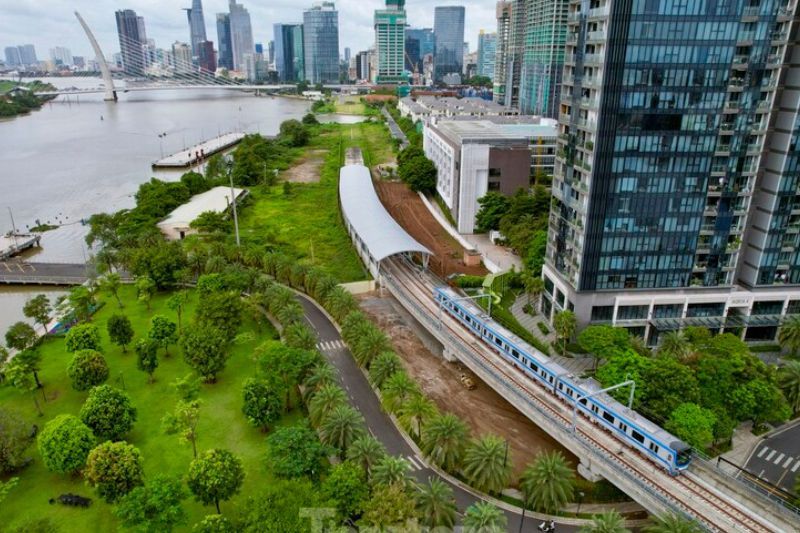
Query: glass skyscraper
[
  {"x": 487, "y": 49},
  {"x": 132, "y": 38},
  {"x": 241, "y": 36},
  {"x": 321, "y": 43},
  {"x": 390, "y": 45},
  {"x": 448, "y": 29},
  {"x": 675, "y": 198},
  {"x": 197, "y": 27},
  {"x": 225, "y": 55},
  {"x": 289, "y": 56},
  {"x": 419, "y": 43}
]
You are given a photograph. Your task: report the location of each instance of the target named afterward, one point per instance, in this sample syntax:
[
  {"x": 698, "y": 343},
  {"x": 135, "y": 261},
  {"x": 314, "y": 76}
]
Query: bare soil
[
  {"x": 307, "y": 171},
  {"x": 482, "y": 409},
  {"x": 407, "y": 209}
]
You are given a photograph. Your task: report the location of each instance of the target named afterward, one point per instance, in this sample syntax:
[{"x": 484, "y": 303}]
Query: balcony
[
  {"x": 784, "y": 14},
  {"x": 586, "y": 123},
  {"x": 598, "y": 12},
  {"x": 590, "y": 81},
  {"x": 574, "y": 16},
  {"x": 572, "y": 38},
  {"x": 778, "y": 37},
  {"x": 589, "y": 102},
  {"x": 718, "y": 170},
  {"x": 592, "y": 59},
  {"x": 741, "y": 61},
  {"x": 773, "y": 60},
  {"x": 595, "y": 36},
  {"x": 726, "y": 127}
]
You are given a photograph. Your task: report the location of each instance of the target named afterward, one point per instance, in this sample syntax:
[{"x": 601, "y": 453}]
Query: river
[{"x": 80, "y": 155}]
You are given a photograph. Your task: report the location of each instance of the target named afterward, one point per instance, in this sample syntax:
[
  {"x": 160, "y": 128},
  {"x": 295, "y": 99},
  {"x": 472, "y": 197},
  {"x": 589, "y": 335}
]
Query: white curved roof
[{"x": 370, "y": 220}]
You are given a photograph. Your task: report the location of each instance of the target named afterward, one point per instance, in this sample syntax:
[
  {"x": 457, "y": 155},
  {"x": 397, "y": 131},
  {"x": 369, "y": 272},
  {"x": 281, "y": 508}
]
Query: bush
[
  {"x": 469, "y": 282},
  {"x": 83, "y": 337},
  {"x": 764, "y": 348},
  {"x": 544, "y": 329},
  {"x": 108, "y": 412},
  {"x": 114, "y": 469},
  {"x": 64, "y": 444},
  {"x": 419, "y": 173},
  {"x": 87, "y": 369}
]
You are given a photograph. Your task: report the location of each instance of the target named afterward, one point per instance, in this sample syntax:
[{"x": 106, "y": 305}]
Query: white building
[{"x": 218, "y": 200}]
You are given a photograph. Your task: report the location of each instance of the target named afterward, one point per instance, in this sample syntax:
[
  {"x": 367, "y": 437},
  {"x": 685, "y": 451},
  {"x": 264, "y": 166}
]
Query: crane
[{"x": 415, "y": 75}]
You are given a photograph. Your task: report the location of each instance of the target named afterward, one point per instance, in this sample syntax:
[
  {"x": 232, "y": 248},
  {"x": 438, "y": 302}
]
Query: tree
[
  {"x": 108, "y": 412},
  {"x": 341, "y": 427},
  {"x": 444, "y": 441},
  {"x": 114, "y": 469},
  {"x": 493, "y": 206},
  {"x": 486, "y": 464},
  {"x": 603, "y": 342},
  {"x": 759, "y": 400},
  {"x": 565, "y": 323},
  {"x": 210, "y": 222},
  {"x": 262, "y": 404},
  {"x": 83, "y": 337},
  {"x": 147, "y": 357},
  {"x": 64, "y": 444},
  {"x": 183, "y": 421},
  {"x": 27, "y": 362},
  {"x": 325, "y": 400},
  {"x": 382, "y": 367},
  {"x": 534, "y": 286},
  {"x": 15, "y": 438},
  {"x": 339, "y": 303},
  {"x": 120, "y": 331},
  {"x": 220, "y": 310},
  {"x": 215, "y": 476},
  {"x": 295, "y": 451},
  {"x": 789, "y": 379},
  {"x": 419, "y": 173},
  {"x": 111, "y": 283},
  {"x": 415, "y": 413},
  {"x": 389, "y": 508},
  {"x": 20, "y": 377},
  {"x": 436, "y": 504},
  {"x": 397, "y": 390},
  {"x": 298, "y": 335},
  {"x": 789, "y": 334},
  {"x": 163, "y": 332},
  {"x": 483, "y": 517},
  {"x": 392, "y": 470},
  {"x": 5, "y": 487},
  {"x": 369, "y": 345},
  {"x": 692, "y": 424},
  {"x": 320, "y": 375},
  {"x": 87, "y": 369},
  {"x": 145, "y": 289},
  {"x": 347, "y": 486},
  {"x": 155, "y": 506},
  {"x": 608, "y": 522},
  {"x": 21, "y": 336},
  {"x": 187, "y": 388},
  {"x": 548, "y": 483},
  {"x": 366, "y": 451},
  {"x": 287, "y": 364},
  {"x": 310, "y": 120},
  {"x": 672, "y": 523},
  {"x": 204, "y": 351},
  {"x": 214, "y": 523},
  {"x": 278, "y": 507},
  {"x": 294, "y": 133},
  {"x": 177, "y": 302},
  {"x": 675, "y": 344},
  {"x": 81, "y": 299},
  {"x": 38, "y": 309}
]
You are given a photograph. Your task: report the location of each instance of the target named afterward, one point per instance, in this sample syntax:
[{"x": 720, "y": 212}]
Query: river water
[{"x": 80, "y": 155}]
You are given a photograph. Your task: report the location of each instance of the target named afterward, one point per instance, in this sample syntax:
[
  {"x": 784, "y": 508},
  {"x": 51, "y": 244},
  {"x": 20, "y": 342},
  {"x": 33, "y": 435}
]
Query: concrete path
[
  {"x": 501, "y": 256},
  {"x": 191, "y": 155},
  {"x": 21, "y": 273},
  {"x": 395, "y": 130}
]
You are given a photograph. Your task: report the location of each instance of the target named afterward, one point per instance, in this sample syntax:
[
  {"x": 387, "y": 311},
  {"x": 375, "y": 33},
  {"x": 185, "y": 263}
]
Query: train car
[{"x": 626, "y": 424}]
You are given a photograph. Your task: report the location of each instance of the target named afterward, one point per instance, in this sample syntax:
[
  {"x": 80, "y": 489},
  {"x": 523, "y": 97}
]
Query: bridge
[{"x": 23, "y": 273}]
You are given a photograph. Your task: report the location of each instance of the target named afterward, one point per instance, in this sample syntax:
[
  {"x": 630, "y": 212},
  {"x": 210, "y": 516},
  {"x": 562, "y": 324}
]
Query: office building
[
  {"x": 27, "y": 55},
  {"x": 321, "y": 43},
  {"x": 448, "y": 29},
  {"x": 208, "y": 57},
  {"x": 420, "y": 42},
  {"x": 132, "y": 38},
  {"x": 362, "y": 66},
  {"x": 289, "y": 56},
  {"x": 347, "y": 54},
  {"x": 241, "y": 35},
  {"x": 511, "y": 18},
  {"x": 487, "y": 49},
  {"x": 61, "y": 56},
  {"x": 675, "y": 188},
  {"x": 182, "y": 58},
  {"x": 197, "y": 27},
  {"x": 225, "y": 47},
  {"x": 271, "y": 52},
  {"x": 390, "y": 45},
  {"x": 12, "y": 56}
]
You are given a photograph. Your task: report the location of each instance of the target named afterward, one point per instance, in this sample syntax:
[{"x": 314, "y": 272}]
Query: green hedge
[
  {"x": 469, "y": 282},
  {"x": 507, "y": 320},
  {"x": 543, "y": 328},
  {"x": 762, "y": 348}
]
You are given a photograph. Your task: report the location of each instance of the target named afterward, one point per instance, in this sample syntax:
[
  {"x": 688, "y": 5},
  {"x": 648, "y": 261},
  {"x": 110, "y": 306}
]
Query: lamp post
[
  {"x": 233, "y": 202},
  {"x": 161, "y": 143}
]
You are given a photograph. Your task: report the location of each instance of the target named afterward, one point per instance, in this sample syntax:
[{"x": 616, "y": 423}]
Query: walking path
[
  {"x": 395, "y": 130},
  {"x": 194, "y": 154}
]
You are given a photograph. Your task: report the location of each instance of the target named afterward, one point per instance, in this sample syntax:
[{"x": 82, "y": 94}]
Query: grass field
[
  {"x": 307, "y": 222},
  {"x": 352, "y": 105},
  {"x": 222, "y": 424}
]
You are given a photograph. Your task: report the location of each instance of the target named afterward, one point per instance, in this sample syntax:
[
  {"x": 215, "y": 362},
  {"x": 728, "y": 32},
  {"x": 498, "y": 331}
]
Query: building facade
[
  {"x": 390, "y": 43},
  {"x": 362, "y": 65},
  {"x": 197, "y": 27},
  {"x": 132, "y": 38},
  {"x": 289, "y": 54},
  {"x": 448, "y": 30},
  {"x": 208, "y": 57},
  {"x": 225, "y": 47},
  {"x": 27, "y": 54},
  {"x": 676, "y": 183},
  {"x": 487, "y": 50},
  {"x": 12, "y": 56},
  {"x": 510, "y": 14},
  {"x": 61, "y": 56},
  {"x": 241, "y": 36},
  {"x": 420, "y": 42},
  {"x": 321, "y": 43}
]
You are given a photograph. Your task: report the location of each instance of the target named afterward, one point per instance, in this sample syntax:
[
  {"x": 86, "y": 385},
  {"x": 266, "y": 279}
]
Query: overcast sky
[{"x": 49, "y": 23}]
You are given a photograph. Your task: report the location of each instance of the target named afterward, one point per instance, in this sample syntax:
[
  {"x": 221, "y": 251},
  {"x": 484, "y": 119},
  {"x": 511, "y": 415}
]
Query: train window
[
  {"x": 516, "y": 353},
  {"x": 569, "y": 391},
  {"x": 638, "y": 436},
  {"x": 654, "y": 447},
  {"x": 550, "y": 379},
  {"x": 623, "y": 426},
  {"x": 594, "y": 408},
  {"x": 497, "y": 341},
  {"x": 533, "y": 366},
  {"x": 608, "y": 416},
  {"x": 560, "y": 386},
  {"x": 583, "y": 401}
]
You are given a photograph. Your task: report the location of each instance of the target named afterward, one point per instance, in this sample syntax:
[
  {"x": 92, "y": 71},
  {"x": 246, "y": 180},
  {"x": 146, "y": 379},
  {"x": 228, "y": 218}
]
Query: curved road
[{"x": 380, "y": 426}]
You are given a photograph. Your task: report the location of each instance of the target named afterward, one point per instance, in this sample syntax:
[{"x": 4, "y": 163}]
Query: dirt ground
[
  {"x": 409, "y": 211},
  {"x": 483, "y": 409},
  {"x": 308, "y": 170}
]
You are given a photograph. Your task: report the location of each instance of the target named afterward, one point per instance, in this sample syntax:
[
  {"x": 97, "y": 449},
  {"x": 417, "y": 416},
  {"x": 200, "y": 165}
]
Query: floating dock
[
  {"x": 13, "y": 243},
  {"x": 199, "y": 152}
]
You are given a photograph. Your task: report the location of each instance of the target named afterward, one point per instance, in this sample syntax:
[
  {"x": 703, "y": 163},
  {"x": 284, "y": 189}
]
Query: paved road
[
  {"x": 397, "y": 133},
  {"x": 777, "y": 458},
  {"x": 380, "y": 426},
  {"x": 21, "y": 273}
]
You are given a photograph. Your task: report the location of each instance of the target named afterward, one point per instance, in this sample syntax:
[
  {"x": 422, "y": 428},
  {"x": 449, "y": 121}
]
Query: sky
[{"x": 51, "y": 23}]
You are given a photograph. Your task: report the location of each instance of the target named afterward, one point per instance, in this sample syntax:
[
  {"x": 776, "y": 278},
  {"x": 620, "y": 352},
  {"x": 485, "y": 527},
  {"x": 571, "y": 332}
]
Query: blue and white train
[{"x": 626, "y": 424}]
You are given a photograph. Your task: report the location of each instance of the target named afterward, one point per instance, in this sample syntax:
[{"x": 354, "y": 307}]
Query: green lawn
[
  {"x": 222, "y": 424},
  {"x": 353, "y": 105},
  {"x": 307, "y": 223}
]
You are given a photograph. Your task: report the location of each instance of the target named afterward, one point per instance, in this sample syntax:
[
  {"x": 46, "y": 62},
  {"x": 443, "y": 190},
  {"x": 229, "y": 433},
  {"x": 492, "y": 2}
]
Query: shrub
[
  {"x": 543, "y": 328},
  {"x": 83, "y": 337},
  {"x": 87, "y": 369}
]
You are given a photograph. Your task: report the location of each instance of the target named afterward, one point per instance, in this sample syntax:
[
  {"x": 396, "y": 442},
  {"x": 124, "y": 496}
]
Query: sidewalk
[{"x": 501, "y": 256}]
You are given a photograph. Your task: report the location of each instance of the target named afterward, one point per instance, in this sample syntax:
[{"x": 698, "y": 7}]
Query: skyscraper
[
  {"x": 487, "y": 49},
  {"x": 225, "y": 47},
  {"x": 542, "y": 58},
  {"x": 208, "y": 57},
  {"x": 197, "y": 27},
  {"x": 271, "y": 52},
  {"x": 241, "y": 35},
  {"x": 321, "y": 43},
  {"x": 289, "y": 56},
  {"x": 27, "y": 55},
  {"x": 132, "y": 38},
  {"x": 362, "y": 65},
  {"x": 61, "y": 56},
  {"x": 448, "y": 29},
  {"x": 12, "y": 56},
  {"x": 181, "y": 57},
  {"x": 675, "y": 194},
  {"x": 390, "y": 42},
  {"x": 419, "y": 43},
  {"x": 508, "y": 58}
]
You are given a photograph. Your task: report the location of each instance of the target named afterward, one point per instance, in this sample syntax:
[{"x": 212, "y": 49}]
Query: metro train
[{"x": 625, "y": 424}]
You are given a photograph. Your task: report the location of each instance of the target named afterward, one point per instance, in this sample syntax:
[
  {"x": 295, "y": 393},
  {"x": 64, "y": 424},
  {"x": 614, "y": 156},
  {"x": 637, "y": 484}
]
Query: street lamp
[{"x": 161, "y": 143}]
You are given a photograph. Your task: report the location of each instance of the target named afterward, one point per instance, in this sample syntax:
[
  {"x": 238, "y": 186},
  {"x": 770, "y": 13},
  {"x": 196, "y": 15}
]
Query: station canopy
[{"x": 374, "y": 225}]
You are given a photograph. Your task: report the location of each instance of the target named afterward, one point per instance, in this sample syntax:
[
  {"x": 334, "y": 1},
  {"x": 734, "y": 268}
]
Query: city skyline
[{"x": 55, "y": 23}]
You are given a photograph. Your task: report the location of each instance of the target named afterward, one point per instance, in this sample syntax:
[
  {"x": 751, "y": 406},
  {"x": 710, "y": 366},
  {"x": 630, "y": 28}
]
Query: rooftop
[
  {"x": 217, "y": 200},
  {"x": 461, "y": 131},
  {"x": 450, "y": 105}
]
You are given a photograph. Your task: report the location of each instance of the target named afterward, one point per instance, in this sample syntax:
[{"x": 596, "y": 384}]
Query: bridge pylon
[{"x": 111, "y": 92}]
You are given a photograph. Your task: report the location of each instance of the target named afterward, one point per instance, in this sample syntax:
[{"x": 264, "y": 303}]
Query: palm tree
[
  {"x": 320, "y": 375},
  {"x": 397, "y": 390},
  {"x": 444, "y": 440},
  {"x": 111, "y": 283},
  {"x": 565, "y": 323},
  {"x": 789, "y": 334},
  {"x": 487, "y": 465},
  {"x": 608, "y": 522},
  {"x": 383, "y": 366},
  {"x": 290, "y": 314},
  {"x": 436, "y": 504},
  {"x": 340, "y": 303},
  {"x": 789, "y": 379},
  {"x": 640, "y": 346},
  {"x": 341, "y": 427},
  {"x": 547, "y": 484},
  {"x": 416, "y": 412},
  {"x": 325, "y": 285},
  {"x": 675, "y": 344},
  {"x": 366, "y": 451},
  {"x": 298, "y": 335},
  {"x": 354, "y": 325},
  {"x": 483, "y": 517},
  {"x": 369, "y": 345},
  {"x": 672, "y": 523},
  {"x": 392, "y": 470},
  {"x": 326, "y": 399},
  {"x": 277, "y": 298}
]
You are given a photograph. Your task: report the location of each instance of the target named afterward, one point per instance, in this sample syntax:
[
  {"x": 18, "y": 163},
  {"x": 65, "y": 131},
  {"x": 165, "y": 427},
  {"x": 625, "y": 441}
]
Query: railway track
[{"x": 681, "y": 492}]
